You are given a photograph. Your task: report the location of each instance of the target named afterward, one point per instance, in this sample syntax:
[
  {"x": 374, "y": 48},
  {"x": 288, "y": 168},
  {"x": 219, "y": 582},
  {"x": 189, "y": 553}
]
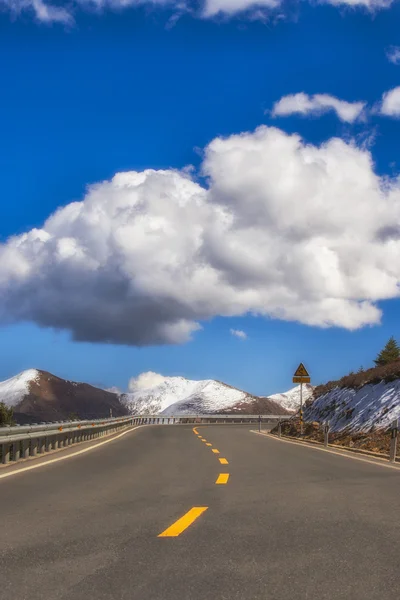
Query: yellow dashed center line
[
  {"x": 223, "y": 478},
  {"x": 183, "y": 523}
]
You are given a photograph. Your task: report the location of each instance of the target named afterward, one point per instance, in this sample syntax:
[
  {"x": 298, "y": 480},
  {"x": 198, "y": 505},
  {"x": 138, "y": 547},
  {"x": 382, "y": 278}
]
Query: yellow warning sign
[
  {"x": 301, "y": 371},
  {"x": 301, "y": 380}
]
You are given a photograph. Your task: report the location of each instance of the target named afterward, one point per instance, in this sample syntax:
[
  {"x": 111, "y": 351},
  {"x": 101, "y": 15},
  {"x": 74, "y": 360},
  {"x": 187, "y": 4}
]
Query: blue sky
[{"x": 129, "y": 90}]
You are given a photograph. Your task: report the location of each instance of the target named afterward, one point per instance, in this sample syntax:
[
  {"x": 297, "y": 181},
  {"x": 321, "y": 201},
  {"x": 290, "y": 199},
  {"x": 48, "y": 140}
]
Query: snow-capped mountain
[
  {"x": 291, "y": 399},
  {"x": 360, "y": 409},
  {"x": 178, "y": 396},
  {"x": 40, "y": 396},
  {"x": 13, "y": 390}
]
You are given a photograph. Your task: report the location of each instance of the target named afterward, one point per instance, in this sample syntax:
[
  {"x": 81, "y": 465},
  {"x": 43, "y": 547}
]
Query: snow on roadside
[
  {"x": 13, "y": 390},
  {"x": 358, "y": 409}
]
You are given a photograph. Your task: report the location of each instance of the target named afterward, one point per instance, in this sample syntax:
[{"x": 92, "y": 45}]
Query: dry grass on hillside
[
  {"x": 378, "y": 441},
  {"x": 386, "y": 373}
]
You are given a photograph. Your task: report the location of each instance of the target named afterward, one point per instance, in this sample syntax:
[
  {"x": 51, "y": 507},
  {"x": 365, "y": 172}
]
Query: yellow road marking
[
  {"x": 208, "y": 444},
  {"x": 223, "y": 478},
  {"x": 223, "y": 461},
  {"x": 183, "y": 523},
  {"x": 195, "y": 431},
  {"x": 50, "y": 462},
  {"x": 203, "y": 440},
  {"x": 215, "y": 451}
]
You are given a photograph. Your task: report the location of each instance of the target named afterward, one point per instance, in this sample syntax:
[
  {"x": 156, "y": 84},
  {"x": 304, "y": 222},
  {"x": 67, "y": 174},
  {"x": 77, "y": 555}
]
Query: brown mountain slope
[
  {"x": 256, "y": 406},
  {"x": 51, "y": 398}
]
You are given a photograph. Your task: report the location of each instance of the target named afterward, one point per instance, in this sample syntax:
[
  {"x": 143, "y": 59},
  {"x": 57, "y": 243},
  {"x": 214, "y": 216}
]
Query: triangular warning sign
[{"x": 301, "y": 371}]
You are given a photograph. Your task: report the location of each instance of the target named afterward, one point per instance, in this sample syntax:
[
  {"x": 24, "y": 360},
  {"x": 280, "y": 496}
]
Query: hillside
[
  {"x": 256, "y": 406},
  {"x": 363, "y": 402},
  {"x": 37, "y": 396}
]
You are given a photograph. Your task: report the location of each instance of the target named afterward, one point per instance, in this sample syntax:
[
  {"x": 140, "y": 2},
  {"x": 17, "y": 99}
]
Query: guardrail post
[
  {"x": 16, "y": 450},
  {"x": 393, "y": 441},
  {"x": 326, "y": 435},
  {"x": 53, "y": 443},
  {"x": 25, "y": 448},
  {"x": 5, "y": 453},
  {"x": 33, "y": 448},
  {"x": 41, "y": 445},
  {"x": 279, "y": 428}
]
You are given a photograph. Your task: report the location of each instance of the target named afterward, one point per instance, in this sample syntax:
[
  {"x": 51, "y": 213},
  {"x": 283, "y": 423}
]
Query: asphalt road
[{"x": 290, "y": 523}]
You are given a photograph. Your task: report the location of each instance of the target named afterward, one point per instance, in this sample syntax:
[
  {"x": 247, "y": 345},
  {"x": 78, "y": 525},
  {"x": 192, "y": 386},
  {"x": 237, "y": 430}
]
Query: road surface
[{"x": 289, "y": 523}]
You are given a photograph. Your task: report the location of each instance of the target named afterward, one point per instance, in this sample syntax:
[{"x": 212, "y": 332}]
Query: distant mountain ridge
[
  {"x": 180, "y": 396},
  {"x": 37, "y": 396}
]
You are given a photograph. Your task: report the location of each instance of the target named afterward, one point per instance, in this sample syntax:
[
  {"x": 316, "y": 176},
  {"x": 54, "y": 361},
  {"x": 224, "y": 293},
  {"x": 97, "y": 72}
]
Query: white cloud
[
  {"x": 319, "y": 103},
  {"x": 145, "y": 381},
  {"x": 370, "y": 5},
  {"x": 390, "y": 105},
  {"x": 232, "y": 7},
  {"x": 43, "y": 11},
  {"x": 285, "y": 229},
  {"x": 48, "y": 11},
  {"x": 393, "y": 54},
  {"x": 239, "y": 333}
]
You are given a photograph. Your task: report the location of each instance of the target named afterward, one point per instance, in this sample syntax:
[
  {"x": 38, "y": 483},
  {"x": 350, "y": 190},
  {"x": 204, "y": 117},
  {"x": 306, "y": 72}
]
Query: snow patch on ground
[
  {"x": 291, "y": 399},
  {"x": 13, "y": 390},
  {"x": 358, "y": 410}
]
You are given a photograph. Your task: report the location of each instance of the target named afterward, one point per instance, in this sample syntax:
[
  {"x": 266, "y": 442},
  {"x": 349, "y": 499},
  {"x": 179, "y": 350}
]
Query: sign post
[
  {"x": 393, "y": 441},
  {"x": 301, "y": 376},
  {"x": 326, "y": 435}
]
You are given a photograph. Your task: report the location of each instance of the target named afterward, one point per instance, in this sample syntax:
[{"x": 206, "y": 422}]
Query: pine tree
[
  {"x": 6, "y": 415},
  {"x": 361, "y": 369},
  {"x": 390, "y": 353}
]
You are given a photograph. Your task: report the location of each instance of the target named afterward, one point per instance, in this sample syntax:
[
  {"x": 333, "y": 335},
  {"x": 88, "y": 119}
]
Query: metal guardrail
[
  {"x": 56, "y": 425},
  {"x": 23, "y": 441},
  {"x": 210, "y": 418}
]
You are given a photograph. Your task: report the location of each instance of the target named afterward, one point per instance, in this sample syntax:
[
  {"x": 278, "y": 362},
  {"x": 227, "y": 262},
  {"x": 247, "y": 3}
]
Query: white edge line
[
  {"x": 329, "y": 451},
  {"x": 50, "y": 462}
]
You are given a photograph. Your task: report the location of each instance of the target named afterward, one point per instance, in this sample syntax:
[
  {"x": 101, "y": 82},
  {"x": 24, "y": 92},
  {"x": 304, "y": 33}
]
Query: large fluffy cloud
[
  {"x": 50, "y": 10},
  {"x": 283, "y": 229},
  {"x": 304, "y": 104}
]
